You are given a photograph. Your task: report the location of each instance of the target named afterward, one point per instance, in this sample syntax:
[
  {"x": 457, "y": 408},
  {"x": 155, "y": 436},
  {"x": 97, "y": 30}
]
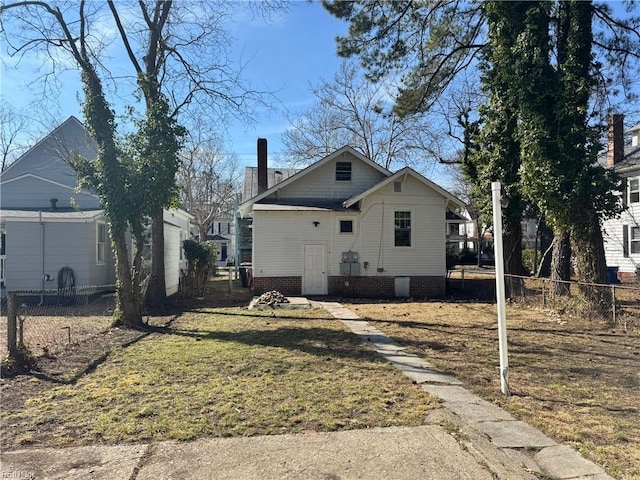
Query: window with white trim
[
  {"x": 402, "y": 229},
  {"x": 634, "y": 190},
  {"x": 635, "y": 240},
  {"x": 101, "y": 242},
  {"x": 346, "y": 227}
]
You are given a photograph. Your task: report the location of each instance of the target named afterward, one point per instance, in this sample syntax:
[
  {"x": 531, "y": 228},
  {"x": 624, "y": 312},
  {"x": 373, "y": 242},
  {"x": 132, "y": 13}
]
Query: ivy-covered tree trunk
[
  {"x": 575, "y": 62},
  {"x": 157, "y": 295},
  {"x": 108, "y": 176},
  {"x": 512, "y": 245},
  {"x": 497, "y": 157},
  {"x": 560, "y": 265},
  {"x": 590, "y": 258}
]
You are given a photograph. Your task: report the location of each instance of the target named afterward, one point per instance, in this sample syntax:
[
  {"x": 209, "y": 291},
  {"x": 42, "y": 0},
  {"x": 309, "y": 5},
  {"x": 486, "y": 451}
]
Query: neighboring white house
[
  {"x": 48, "y": 226},
  {"x": 622, "y": 235},
  {"x": 347, "y": 226}
]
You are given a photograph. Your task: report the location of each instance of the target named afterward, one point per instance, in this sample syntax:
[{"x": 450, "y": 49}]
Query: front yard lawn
[{"x": 223, "y": 372}]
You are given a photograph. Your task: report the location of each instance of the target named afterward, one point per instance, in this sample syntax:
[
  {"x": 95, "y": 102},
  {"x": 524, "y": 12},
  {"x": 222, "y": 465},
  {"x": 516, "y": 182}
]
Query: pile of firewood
[{"x": 271, "y": 298}]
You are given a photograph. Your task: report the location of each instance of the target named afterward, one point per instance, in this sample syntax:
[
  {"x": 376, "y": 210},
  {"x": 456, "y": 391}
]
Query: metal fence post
[
  {"x": 613, "y": 301},
  {"x": 544, "y": 300},
  {"x": 12, "y": 324},
  {"x": 462, "y": 277}
]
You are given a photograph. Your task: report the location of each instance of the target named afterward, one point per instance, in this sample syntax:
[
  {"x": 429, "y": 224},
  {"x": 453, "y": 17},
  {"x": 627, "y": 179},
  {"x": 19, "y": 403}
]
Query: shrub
[
  {"x": 201, "y": 260},
  {"x": 528, "y": 260}
]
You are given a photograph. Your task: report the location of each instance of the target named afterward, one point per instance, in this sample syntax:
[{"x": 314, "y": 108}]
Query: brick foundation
[
  {"x": 359, "y": 287},
  {"x": 290, "y": 286},
  {"x": 384, "y": 287},
  {"x": 628, "y": 277}
]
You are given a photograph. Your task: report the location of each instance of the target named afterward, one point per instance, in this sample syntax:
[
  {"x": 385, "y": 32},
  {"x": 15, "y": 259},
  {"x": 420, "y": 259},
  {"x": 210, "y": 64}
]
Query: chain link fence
[
  {"x": 616, "y": 303},
  {"x": 47, "y": 322}
]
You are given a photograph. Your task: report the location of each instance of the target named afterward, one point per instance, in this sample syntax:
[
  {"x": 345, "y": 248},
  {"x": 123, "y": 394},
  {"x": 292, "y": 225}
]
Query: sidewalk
[{"x": 467, "y": 439}]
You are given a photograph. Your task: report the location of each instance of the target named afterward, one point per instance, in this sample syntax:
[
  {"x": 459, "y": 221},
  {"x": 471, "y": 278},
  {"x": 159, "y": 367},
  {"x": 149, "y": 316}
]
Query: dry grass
[
  {"x": 51, "y": 329},
  {"x": 576, "y": 380},
  {"x": 224, "y": 372}
]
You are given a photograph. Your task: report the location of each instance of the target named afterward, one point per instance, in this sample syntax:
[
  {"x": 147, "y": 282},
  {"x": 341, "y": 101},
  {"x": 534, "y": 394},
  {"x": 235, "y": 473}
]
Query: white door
[{"x": 315, "y": 279}]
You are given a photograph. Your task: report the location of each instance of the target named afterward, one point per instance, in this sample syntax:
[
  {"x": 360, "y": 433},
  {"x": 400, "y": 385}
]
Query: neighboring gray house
[
  {"x": 47, "y": 225},
  {"x": 622, "y": 234},
  {"x": 347, "y": 226}
]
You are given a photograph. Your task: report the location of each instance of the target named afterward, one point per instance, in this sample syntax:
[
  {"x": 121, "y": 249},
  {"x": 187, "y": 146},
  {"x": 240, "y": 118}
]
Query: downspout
[{"x": 42, "y": 255}]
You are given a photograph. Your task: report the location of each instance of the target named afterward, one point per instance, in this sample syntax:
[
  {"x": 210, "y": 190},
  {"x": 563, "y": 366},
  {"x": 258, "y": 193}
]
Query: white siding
[
  {"x": 321, "y": 182},
  {"x": 613, "y": 241},
  {"x": 279, "y": 239},
  {"x": 175, "y": 222},
  {"x": 171, "y": 258},
  {"x": 344, "y": 242},
  {"x": 426, "y": 255}
]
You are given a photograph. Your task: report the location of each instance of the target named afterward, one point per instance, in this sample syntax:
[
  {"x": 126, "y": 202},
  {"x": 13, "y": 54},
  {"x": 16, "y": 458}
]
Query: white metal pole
[{"x": 500, "y": 294}]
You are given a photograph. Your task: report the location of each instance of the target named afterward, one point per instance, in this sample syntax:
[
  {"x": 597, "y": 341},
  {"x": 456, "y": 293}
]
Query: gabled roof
[
  {"x": 38, "y": 177},
  {"x": 51, "y": 135},
  {"x": 452, "y": 200},
  {"x": 630, "y": 161},
  {"x": 246, "y": 205},
  {"x": 64, "y": 215},
  {"x": 454, "y": 217},
  {"x": 274, "y": 176}
]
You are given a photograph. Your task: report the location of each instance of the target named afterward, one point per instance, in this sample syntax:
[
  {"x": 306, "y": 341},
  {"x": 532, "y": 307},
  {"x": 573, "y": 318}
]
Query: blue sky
[
  {"x": 285, "y": 57},
  {"x": 282, "y": 55}
]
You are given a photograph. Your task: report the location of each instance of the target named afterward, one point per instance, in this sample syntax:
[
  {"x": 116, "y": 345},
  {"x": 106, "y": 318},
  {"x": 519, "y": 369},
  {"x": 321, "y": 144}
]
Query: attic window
[
  {"x": 343, "y": 171},
  {"x": 397, "y": 187}
]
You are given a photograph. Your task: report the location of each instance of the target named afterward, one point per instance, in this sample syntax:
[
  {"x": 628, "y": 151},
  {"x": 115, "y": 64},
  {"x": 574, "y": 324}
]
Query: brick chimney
[
  {"x": 262, "y": 165},
  {"x": 615, "y": 152}
]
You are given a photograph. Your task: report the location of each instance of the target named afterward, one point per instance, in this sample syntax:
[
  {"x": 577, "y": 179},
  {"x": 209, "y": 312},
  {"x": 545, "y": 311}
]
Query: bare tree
[
  {"x": 351, "y": 110},
  {"x": 178, "y": 54},
  {"x": 209, "y": 179},
  {"x": 15, "y": 133}
]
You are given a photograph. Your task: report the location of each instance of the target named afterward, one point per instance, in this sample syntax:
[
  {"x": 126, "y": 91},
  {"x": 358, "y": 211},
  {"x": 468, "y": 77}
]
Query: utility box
[
  {"x": 402, "y": 287},
  {"x": 350, "y": 257},
  {"x": 350, "y": 264}
]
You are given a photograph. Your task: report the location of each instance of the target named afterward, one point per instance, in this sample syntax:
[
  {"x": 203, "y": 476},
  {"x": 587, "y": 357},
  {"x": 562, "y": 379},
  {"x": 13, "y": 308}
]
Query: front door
[{"x": 315, "y": 279}]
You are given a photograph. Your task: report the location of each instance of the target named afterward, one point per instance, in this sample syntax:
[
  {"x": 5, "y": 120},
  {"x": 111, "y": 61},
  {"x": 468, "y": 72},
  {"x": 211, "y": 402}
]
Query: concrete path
[
  {"x": 467, "y": 439},
  {"x": 529, "y": 448},
  {"x": 401, "y": 453}
]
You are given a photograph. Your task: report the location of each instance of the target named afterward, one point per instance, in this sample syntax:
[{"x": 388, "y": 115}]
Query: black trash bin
[
  {"x": 244, "y": 279},
  {"x": 612, "y": 272}
]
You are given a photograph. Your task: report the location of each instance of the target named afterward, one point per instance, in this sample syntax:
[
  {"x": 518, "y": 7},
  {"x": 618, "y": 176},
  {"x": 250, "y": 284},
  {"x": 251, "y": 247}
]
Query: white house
[
  {"x": 622, "y": 235},
  {"x": 346, "y": 226},
  {"x": 48, "y": 227}
]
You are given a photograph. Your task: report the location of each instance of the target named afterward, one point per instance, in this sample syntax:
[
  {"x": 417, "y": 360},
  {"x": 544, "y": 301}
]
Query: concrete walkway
[
  {"x": 529, "y": 448},
  {"x": 467, "y": 439}
]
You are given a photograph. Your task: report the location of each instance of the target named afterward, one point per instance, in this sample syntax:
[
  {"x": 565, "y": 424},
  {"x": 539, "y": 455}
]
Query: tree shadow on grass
[
  {"x": 264, "y": 314},
  {"x": 561, "y": 340},
  {"x": 320, "y": 342}
]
